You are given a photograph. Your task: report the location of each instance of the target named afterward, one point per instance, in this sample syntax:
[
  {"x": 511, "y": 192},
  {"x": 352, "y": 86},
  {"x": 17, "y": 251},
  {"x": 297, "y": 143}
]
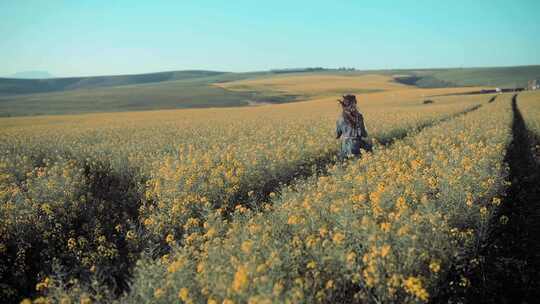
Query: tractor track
[{"x": 509, "y": 271}]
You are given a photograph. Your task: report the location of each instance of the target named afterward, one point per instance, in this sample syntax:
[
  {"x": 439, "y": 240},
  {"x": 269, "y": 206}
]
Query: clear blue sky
[{"x": 83, "y": 37}]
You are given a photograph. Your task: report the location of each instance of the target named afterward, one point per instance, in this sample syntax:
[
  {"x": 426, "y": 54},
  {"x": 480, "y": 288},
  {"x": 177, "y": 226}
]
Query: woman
[{"x": 351, "y": 129}]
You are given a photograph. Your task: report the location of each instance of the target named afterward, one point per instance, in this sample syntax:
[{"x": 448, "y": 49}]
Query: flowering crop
[
  {"x": 529, "y": 105},
  {"x": 240, "y": 170},
  {"x": 80, "y": 196},
  {"x": 385, "y": 228}
]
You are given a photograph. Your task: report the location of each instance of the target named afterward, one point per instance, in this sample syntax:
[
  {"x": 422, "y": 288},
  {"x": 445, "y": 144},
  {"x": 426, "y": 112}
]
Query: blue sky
[{"x": 83, "y": 37}]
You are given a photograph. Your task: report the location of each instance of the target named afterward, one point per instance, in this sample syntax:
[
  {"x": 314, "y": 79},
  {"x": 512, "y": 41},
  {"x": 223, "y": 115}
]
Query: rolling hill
[
  {"x": 197, "y": 88},
  {"x": 507, "y": 77},
  {"x": 171, "y": 90},
  {"x": 11, "y": 86}
]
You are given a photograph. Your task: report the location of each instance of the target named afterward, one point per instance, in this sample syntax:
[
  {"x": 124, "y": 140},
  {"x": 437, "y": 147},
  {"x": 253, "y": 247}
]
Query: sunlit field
[
  {"x": 383, "y": 229},
  {"x": 530, "y": 104},
  {"x": 331, "y": 84},
  {"x": 251, "y": 204}
]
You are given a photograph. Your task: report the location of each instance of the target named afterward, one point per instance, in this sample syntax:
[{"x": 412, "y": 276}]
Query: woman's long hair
[{"x": 351, "y": 115}]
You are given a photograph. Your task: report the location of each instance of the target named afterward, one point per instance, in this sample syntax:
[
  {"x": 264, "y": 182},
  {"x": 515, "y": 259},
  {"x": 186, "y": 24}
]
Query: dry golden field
[{"x": 325, "y": 85}]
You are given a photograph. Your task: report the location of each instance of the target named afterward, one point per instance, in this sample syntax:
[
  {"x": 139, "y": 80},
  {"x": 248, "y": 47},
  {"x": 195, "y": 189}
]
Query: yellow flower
[
  {"x": 464, "y": 282},
  {"x": 338, "y": 238},
  {"x": 41, "y": 300},
  {"x": 148, "y": 222},
  {"x": 71, "y": 243},
  {"x": 118, "y": 228},
  {"x": 254, "y": 228},
  {"x": 504, "y": 220},
  {"x": 435, "y": 266},
  {"x": 86, "y": 300},
  {"x": 385, "y": 249},
  {"x": 200, "y": 267},
  {"x": 43, "y": 284},
  {"x": 192, "y": 222},
  {"x": 261, "y": 268},
  {"x": 311, "y": 241},
  {"x": 174, "y": 266},
  {"x": 483, "y": 211},
  {"x": 351, "y": 257},
  {"x": 293, "y": 220},
  {"x": 469, "y": 198},
  {"x": 401, "y": 203},
  {"x": 165, "y": 259},
  {"x": 277, "y": 289},
  {"x": 240, "y": 280},
  {"x": 183, "y": 294},
  {"x": 369, "y": 278},
  {"x": 158, "y": 293},
  {"x": 130, "y": 235},
  {"x": 47, "y": 209},
  {"x": 169, "y": 239},
  {"x": 360, "y": 198},
  {"x": 413, "y": 286},
  {"x": 311, "y": 265},
  {"x": 323, "y": 231},
  {"x": 227, "y": 301},
  {"x": 402, "y": 230},
  {"x": 246, "y": 246},
  {"x": 210, "y": 233},
  {"x": 191, "y": 238},
  {"x": 385, "y": 227}
]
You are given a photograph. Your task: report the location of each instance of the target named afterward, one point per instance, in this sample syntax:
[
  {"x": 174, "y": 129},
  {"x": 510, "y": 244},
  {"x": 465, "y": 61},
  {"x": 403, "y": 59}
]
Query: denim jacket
[{"x": 352, "y": 139}]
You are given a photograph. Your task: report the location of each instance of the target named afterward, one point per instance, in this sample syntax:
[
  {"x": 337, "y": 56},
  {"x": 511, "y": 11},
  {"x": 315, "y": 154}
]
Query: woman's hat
[{"x": 347, "y": 100}]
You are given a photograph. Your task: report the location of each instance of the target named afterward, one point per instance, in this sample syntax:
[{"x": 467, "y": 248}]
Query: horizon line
[{"x": 270, "y": 70}]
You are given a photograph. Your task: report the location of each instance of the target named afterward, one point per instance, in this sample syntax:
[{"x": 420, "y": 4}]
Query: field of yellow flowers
[
  {"x": 233, "y": 205},
  {"x": 382, "y": 229},
  {"x": 529, "y": 103}
]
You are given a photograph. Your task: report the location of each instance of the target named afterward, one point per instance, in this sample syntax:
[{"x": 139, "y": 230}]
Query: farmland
[
  {"x": 250, "y": 204},
  {"x": 367, "y": 231},
  {"x": 210, "y": 89}
]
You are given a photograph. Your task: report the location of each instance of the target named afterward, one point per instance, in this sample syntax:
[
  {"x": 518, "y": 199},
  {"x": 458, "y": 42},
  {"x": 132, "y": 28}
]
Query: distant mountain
[{"x": 31, "y": 75}]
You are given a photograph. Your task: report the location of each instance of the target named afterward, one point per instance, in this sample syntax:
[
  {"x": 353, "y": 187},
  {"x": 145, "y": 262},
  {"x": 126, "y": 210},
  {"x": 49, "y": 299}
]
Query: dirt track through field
[{"x": 510, "y": 258}]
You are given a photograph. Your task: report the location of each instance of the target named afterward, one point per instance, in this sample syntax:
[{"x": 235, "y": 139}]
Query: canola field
[
  {"x": 529, "y": 105},
  {"x": 251, "y": 205}
]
